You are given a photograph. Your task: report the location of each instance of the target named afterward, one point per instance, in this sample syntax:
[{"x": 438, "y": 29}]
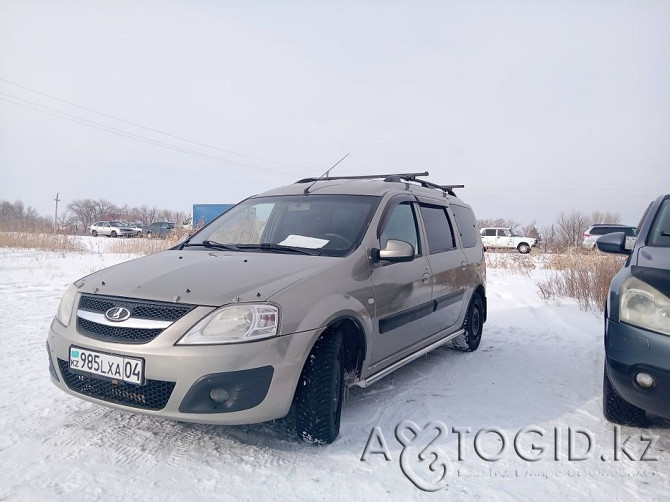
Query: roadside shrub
[
  {"x": 141, "y": 246},
  {"x": 585, "y": 277},
  {"x": 45, "y": 241},
  {"x": 514, "y": 262}
]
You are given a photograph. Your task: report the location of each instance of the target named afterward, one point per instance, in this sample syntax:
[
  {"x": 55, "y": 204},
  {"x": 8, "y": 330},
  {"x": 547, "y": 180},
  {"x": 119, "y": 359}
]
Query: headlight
[
  {"x": 66, "y": 303},
  {"x": 644, "y": 306},
  {"x": 234, "y": 324}
]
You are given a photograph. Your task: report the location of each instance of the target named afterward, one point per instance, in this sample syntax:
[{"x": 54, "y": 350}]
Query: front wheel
[
  {"x": 318, "y": 398},
  {"x": 114, "y": 234},
  {"x": 94, "y": 233},
  {"x": 473, "y": 326},
  {"x": 617, "y": 410}
]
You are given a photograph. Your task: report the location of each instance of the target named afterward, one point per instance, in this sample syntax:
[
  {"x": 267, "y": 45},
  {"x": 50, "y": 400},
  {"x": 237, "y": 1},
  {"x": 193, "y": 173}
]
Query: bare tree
[
  {"x": 498, "y": 222},
  {"x": 548, "y": 238},
  {"x": 84, "y": 212},
  {"x": 16, "y": 216},
  {"x": 147, "y": 215},
  {"x": 530, "y": 230},
  {"x": 105, "y": 209},
  {"x": 570, "y": 228}
]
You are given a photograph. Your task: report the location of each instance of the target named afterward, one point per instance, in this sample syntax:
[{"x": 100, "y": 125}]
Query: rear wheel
[
  {"x": 318, "y": 398},
  {"x": 617, "y": 410},
  {"x": 473, "y": 326}
]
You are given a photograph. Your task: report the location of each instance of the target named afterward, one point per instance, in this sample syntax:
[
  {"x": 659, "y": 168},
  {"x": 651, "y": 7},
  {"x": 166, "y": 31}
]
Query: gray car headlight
[
  {"x": 64, "y": 313},
  {"x": 234, "y": 324},
  {"x": 644, "y": 306}
]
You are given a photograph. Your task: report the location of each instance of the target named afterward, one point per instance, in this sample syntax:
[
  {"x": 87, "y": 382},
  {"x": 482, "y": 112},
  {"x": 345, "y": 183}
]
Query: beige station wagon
[{"x": 278, "y": 305}]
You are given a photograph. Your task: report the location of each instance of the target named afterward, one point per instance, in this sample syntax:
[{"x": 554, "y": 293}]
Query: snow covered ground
[{"x": 539, "y": 366}]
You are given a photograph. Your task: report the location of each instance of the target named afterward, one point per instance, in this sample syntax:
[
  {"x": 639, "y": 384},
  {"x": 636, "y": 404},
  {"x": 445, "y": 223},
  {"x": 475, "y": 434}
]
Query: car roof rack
[{"x": 390, "y": 178}]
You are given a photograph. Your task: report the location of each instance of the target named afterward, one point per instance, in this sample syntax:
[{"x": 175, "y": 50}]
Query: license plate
[{"x": 107, "y": 366}]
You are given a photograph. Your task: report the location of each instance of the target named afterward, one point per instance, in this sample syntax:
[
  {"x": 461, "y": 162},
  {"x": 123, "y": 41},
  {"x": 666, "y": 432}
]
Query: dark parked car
[
  {"x": 637, "y": 322},
  {"x": 158, "y": 229}
]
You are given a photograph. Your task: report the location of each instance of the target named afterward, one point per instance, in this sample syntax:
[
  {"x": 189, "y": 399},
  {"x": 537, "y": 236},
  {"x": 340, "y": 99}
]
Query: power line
[
  {"x": 95, "y": 125},
  {"x": 145, "y": 127}
]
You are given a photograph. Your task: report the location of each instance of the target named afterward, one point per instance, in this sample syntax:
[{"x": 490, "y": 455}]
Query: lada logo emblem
[{"x": 117, "y": 314}]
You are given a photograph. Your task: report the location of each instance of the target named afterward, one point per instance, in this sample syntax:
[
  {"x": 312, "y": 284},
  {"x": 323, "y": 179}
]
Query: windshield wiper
[
  {"x": 214, "y": 245},
  {"x": 271, "y": 246}
]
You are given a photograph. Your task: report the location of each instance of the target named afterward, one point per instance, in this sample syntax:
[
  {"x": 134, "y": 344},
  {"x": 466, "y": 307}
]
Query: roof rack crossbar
[
  {"x": 445, "y": 188},
  {"x": 406, "y": 176},
  {"x": 390, "y": 177}
]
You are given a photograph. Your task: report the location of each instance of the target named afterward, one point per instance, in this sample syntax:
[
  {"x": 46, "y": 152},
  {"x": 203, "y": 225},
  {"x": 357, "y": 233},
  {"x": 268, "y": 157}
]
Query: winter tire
[
  {"x": 617, "y": 410},
  {"x": 318, "y": 399},
  {"x": 473, "y": 326}
]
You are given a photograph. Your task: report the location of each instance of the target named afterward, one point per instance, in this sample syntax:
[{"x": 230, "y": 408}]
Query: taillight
[{"x": 586, "y": 235}]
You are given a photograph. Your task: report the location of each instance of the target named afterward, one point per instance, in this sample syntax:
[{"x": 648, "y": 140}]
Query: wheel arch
[
  {"x": 355, "y": 342},
  {"x": 479, "y": 290}
]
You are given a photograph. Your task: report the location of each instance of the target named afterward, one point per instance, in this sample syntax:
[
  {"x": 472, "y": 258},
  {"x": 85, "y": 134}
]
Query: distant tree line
[
  {"x": 15, "y": 216},
  {"x": 80, "y": 214}
]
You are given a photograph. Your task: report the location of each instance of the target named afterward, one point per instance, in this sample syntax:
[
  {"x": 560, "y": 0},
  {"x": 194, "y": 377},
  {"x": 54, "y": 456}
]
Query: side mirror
[
  {"x": 394, "y": 251},
  {"x": 614, "y": 243}
]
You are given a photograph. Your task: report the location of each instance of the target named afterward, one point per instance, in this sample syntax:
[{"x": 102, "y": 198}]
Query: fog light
[
  {"x": 644, "y": 380},
  {"x": 218, "y": 395}
]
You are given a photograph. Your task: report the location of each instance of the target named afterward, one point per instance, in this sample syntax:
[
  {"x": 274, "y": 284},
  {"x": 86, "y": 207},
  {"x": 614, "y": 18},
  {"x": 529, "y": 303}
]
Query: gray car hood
[{"x": 204, "y": 277}]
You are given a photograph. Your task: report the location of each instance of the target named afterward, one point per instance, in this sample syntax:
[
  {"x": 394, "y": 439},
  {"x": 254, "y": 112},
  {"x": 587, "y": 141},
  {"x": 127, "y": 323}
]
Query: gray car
[{"x": 278, "y": 305}]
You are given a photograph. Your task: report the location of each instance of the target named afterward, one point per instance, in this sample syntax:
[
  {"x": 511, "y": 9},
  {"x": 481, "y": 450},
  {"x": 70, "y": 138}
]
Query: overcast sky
[{"x": 536, "y": 106}]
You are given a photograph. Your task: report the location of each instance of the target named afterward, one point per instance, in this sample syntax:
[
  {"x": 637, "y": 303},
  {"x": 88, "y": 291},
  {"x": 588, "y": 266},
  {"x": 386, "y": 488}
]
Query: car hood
[{"x": 204, "y": 277}]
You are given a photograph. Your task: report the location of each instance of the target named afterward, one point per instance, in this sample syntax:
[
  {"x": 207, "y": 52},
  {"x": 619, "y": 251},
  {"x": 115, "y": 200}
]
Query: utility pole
[{"x": 56, "y": 214}]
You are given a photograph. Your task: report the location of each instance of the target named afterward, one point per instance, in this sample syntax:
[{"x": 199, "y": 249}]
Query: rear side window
[
  {"x": 438, "y": 228},
  {"x": 599, "y": 231},
  {"x": 489, "y": 232},
  {"x": 467, "y": 225}
]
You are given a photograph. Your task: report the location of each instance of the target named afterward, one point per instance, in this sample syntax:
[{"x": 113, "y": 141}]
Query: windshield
[
  {"x": 115, "y": 223},
  {"x": 331, "y": 225}
]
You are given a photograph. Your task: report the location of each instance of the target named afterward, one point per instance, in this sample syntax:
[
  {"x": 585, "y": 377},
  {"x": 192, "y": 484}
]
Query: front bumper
[
  {"x": 259, "y": 377},
  {"x": 629, "y": 351}
]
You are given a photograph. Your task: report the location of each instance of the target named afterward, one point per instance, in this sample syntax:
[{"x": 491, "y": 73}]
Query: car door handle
[
  {"x": 425, "y": 278},
  {"x": 464, "y": 265}
]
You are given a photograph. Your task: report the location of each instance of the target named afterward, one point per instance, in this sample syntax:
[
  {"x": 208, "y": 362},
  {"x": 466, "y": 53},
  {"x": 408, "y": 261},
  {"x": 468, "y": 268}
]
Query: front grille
[
  {"x": 154, "y": 395},
  {"x": 138, "y": 310},
  {"x": 116, "y": 333}
]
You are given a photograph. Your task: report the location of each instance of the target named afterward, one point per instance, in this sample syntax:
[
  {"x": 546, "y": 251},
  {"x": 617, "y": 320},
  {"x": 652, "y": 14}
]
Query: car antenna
[{"x": 325, "y": 175}]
